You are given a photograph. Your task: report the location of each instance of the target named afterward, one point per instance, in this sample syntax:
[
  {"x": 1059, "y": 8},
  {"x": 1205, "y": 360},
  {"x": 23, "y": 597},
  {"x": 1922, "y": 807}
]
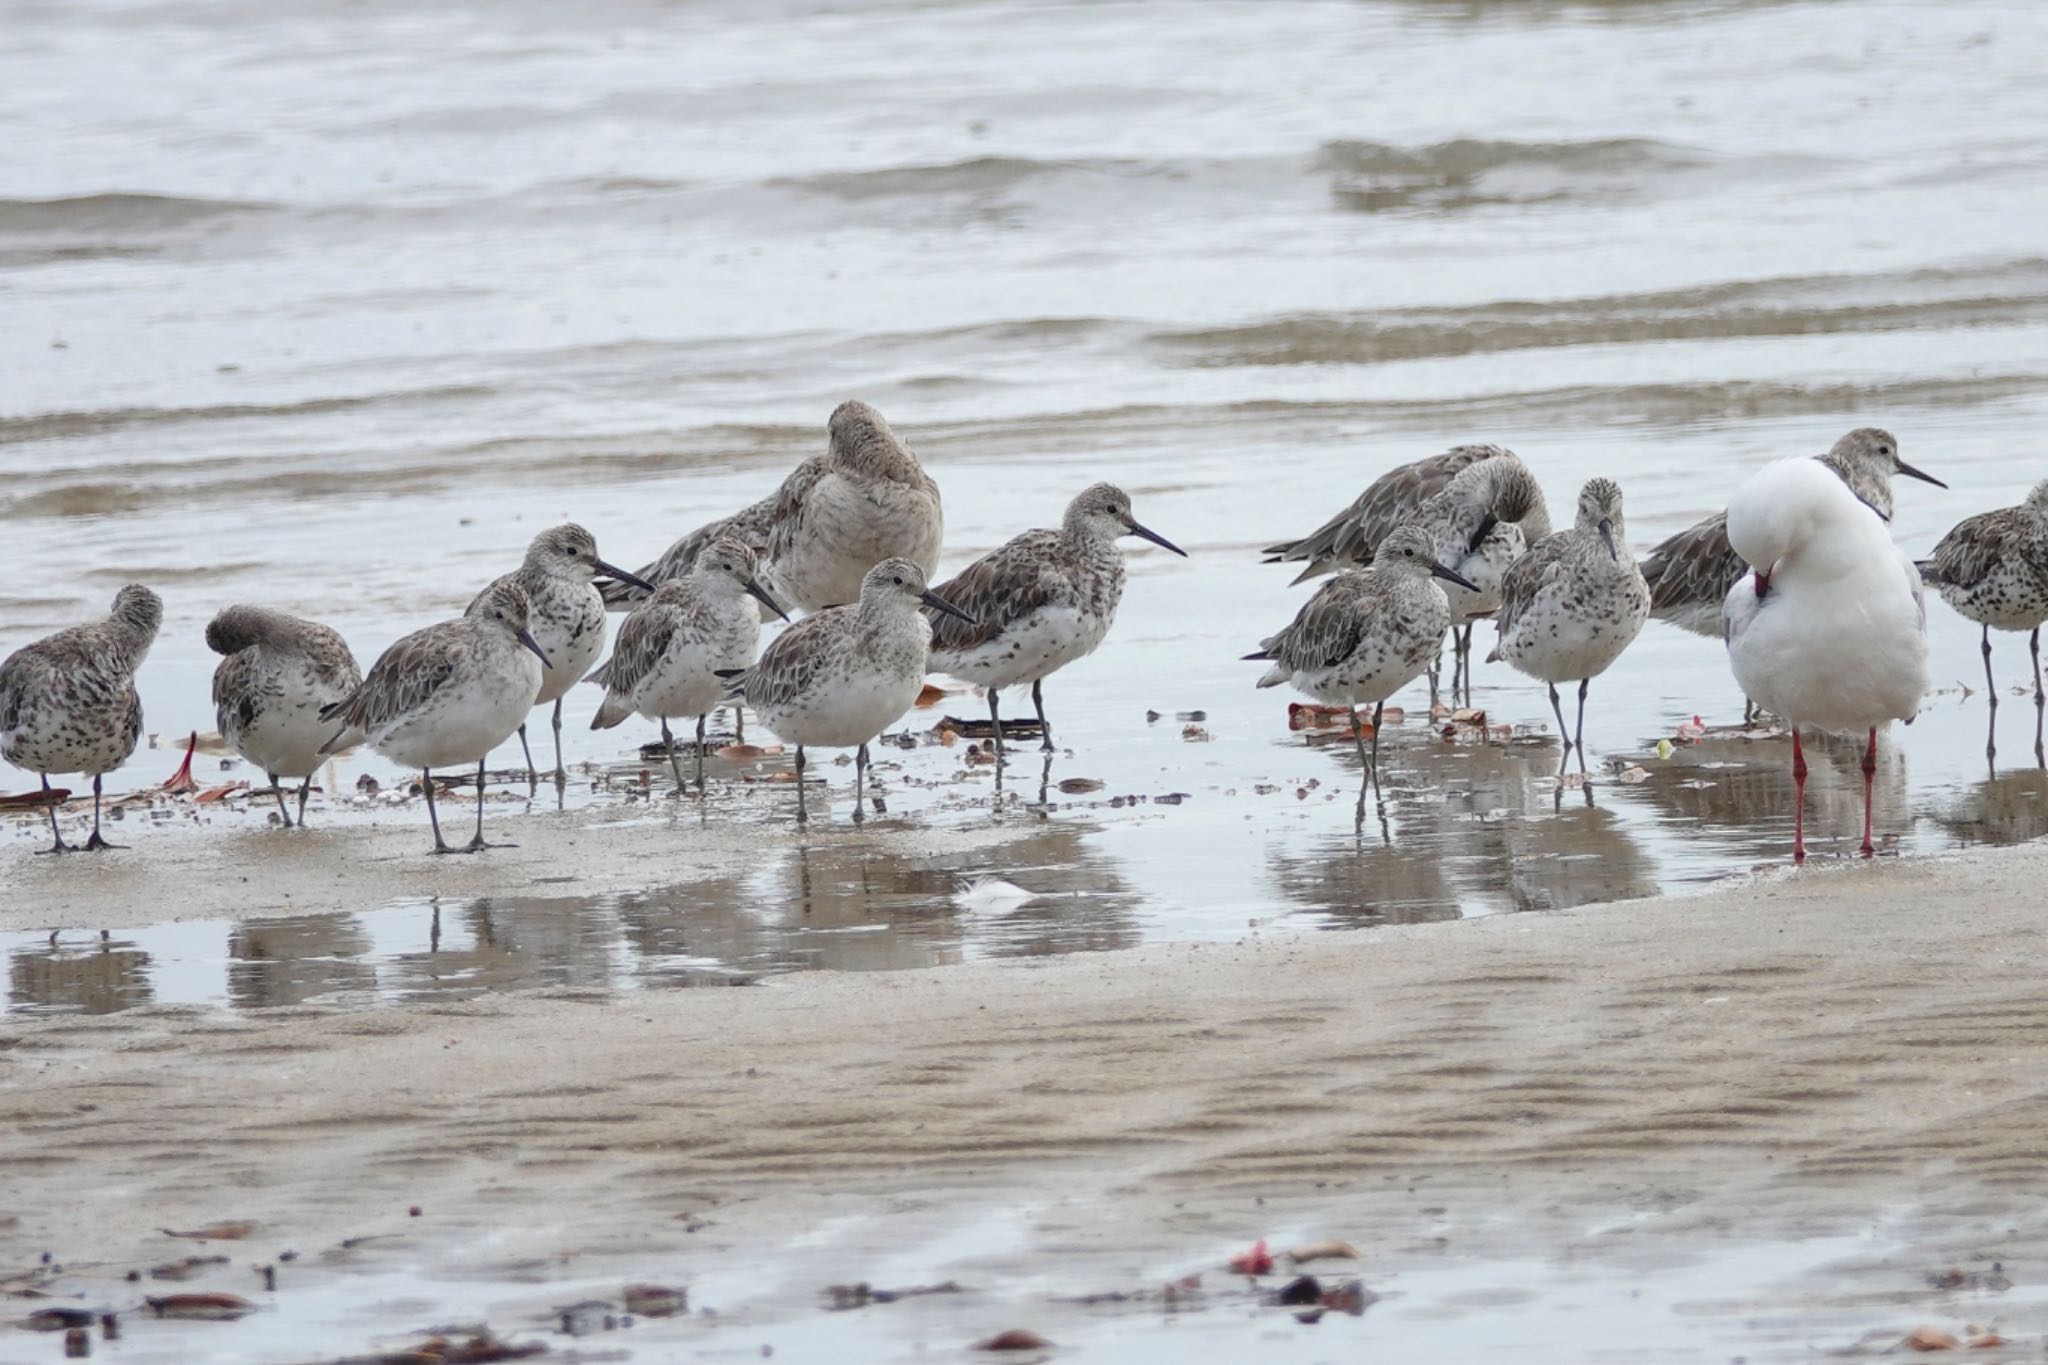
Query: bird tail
[
  {"x": 612, "y": 711},
  {"x": 619, "y": 595},
  {"x": 735, "y": 682},
  {"x": 1316, "y": 569},
  {"x": 1929, "y": 574}
]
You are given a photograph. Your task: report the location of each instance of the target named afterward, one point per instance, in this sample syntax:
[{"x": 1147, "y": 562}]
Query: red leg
[
  {"x": 1798, "y": 799},
  {"x": 1869, "y": 772}
]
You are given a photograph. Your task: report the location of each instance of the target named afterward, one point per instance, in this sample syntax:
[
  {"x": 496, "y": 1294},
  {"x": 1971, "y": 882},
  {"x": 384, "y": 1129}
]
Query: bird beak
[
  {"x": 1919, "y": 474},
  {"x": 1486, "y": 525},
  {"x": 1763, "y": 583},
  {"x": 526, "y": 638},
  {"x": 1437, "y": 570},
  {"x": 754, "y": 589},
  {"x": 1143, "y": 534},
  {"x": 614, "y": 571},
  {"x": 938, "y": 603},
  {"x": 1607, "y": 535}
]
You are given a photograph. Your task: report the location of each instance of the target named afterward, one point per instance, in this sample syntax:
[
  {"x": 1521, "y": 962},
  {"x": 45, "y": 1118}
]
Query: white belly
[
  {"x": 1798, "y": 656},
  {"x": 1036, "y": 647},
  {"x": 464, "y": 721},
  {"x": 851, "y": 711},
  {"x": 286, "y": 738}
]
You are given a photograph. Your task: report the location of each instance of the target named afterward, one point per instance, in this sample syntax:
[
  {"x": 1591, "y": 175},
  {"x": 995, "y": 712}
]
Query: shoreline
[{"x": 1780, "y": 1060}]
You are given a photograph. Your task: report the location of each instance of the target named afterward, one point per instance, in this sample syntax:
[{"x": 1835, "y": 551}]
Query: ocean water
[{"x": 333, "y": 306}]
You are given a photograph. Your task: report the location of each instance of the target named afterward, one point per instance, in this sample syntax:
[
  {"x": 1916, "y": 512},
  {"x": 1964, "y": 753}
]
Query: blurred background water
[{"x": 333, "y": 306}]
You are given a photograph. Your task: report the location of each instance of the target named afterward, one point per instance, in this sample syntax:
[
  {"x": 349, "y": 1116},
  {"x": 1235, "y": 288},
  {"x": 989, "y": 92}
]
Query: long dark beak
[
  {"x": 1437, "y": 570},
  {"x": 1161, "y": 541},
  {"x": 754, "y": 589},
  {"x": 1607, "y": 535},
  {"x": 614, "y": 571},
  {"x": 1486, "y": 525},
  {"x": 1919, "y": 474},
  {"x": 938, "y": 603},
  {"x": 526, "y": 638}
]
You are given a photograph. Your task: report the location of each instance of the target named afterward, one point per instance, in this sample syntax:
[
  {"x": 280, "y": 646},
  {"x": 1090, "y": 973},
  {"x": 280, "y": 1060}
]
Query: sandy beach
[{"x": 1831, "y": 1067}]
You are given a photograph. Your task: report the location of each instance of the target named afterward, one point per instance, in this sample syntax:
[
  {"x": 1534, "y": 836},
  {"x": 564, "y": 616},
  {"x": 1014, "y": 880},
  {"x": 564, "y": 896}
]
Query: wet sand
[{"x": 1836, "y": 1060}]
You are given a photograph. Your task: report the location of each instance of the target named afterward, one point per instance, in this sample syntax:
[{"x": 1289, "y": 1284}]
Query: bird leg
[
  {"x": 1564, "y": 736},
  {"x": 1465, "y": 659},
  {"x": 996, "y": 723},
  {"x": 305, "y": 786},
  {"x": 801, "y": 814},
  {"x": 700, "y": 757},
  {"x": 477, "y": 844},
  {"x": 58, "y": 846},
  {"x": 2034, "y": 650},
  {"x": 860, "y": 780},
  {"x": 561, "y": 773},
  {"x": 1378, "y": 708},
  {"x": 1798, "y": 799},
  {"x": 1869, "y": 773},
  {"x": 433, "y": 817},
  {"x": 532, "y": 777},
  {"x": 1038, "y": 700},
  {"x": 675, "y": 765},
  {"x": 98, "y": 841},
  {"x": 1579, "y": 735},
  {"x": 1991, "y": 693},
  {"x": 278, "y": 791}
]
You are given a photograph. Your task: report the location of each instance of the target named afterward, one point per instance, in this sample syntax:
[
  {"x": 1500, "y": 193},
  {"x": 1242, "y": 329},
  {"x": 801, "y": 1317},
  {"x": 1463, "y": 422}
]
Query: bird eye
[
  {"x": 899, "y": 582},
  {"x": 501, "y": 616},
  {"x": 1408, "y": 553}
]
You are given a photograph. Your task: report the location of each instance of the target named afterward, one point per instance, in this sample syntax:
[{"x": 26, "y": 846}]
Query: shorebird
[
  {"x": 1041, "y": 601},
  {"x": 449, "y": 694},
  {"x": 567, "y": 618},
  {"x": 669, "y": 652},
  {"x": 839, "y": 678},
  {"x": 1364, "y": 636},
  {"x": 1690, "y": 573},
  {"x": 1993, "y": 569},
  {"x": 1354, "y": 534},
  {"x": 1829, "y": 628},
  {"x": 68, "y": 702},
  {"x": 835, "y": 517},
  {"x": 276, "y": 674},
  {"x": 1572, "y": 604},
  {"x": 1480, "y": 523}
]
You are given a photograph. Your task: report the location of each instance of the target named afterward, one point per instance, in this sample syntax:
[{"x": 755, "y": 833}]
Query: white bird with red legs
[{"x": 1829, "y": 626}]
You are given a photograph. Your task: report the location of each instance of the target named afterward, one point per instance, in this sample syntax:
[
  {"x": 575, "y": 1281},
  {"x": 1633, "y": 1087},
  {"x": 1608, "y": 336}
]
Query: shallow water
[{"x": 334, "y": 309}]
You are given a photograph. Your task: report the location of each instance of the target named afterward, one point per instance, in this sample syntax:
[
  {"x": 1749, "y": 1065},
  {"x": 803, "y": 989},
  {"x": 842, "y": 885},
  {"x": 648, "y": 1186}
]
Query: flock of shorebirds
[{"x": 1824, "y": 619}]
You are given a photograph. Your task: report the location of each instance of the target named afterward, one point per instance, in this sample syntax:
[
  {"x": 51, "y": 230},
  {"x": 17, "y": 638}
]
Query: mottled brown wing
[
  {"x": 643, "y": 638},
  {"x": 1526, "y": 578},
  {"x": 1967, "y": 555},
  {"x": 748, "y": 525},
  {"x": 230, "y": 686},
  {"x": 1696, "y": 565},
  {"x": 785, "y": 667},
  {"x": 1353, "y": 534},
  {"x": 1003, "y": 586},
  {"x": 783, "y": 521},
  {"x": 1325, "y": 631},
  {"x": 401, "y": 680}
]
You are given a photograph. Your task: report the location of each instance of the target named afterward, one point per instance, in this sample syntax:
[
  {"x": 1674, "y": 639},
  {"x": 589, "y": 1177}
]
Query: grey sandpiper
[
  {"x": 840, "y": 677},
  {"x": 68, "y": 702},
  {"x": 567, "y": 618},
  {"x": 447, "y": 695},
  {"x": 276, "y": 674},
  {"x": 1572, "y": 604},
  {"x": 1039, "y": 602},
  {"x": 671, "y": 649},
  {"x": 1366, "y": 635},
  {"x": 1993, "y": 569}
]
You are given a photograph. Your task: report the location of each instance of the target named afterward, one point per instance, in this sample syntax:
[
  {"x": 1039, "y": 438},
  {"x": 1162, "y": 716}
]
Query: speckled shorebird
[
  {"x": 276, "y": 675},
  {"x": 1364, "y": 636},
  {"x": 1353, "y": 536},
  {"x": 1829, "y": 627},
  {"x": 839, "y": 678},
  {"x": 1993, "y": 569},
  {"x": 68, "y": 702},
  {"x": 1572, "y": 604},
  {"x": 1041, "y": 601},
  {"x": 1480, "y": 523},
  {"x": 567, "y": 615},
  {"x": 670, "y": 652},
  {"x": 1689, "y": 573},
  {"x": 447, "y": 695},
  {"x": 836, "y": 516}
]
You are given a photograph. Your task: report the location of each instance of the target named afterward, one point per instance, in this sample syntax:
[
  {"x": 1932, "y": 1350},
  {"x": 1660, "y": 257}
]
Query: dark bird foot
[
  {"x": 479, "y": 844},
  {"x": 96, "y": 843},
  {"x": 59, "y": 847}
]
